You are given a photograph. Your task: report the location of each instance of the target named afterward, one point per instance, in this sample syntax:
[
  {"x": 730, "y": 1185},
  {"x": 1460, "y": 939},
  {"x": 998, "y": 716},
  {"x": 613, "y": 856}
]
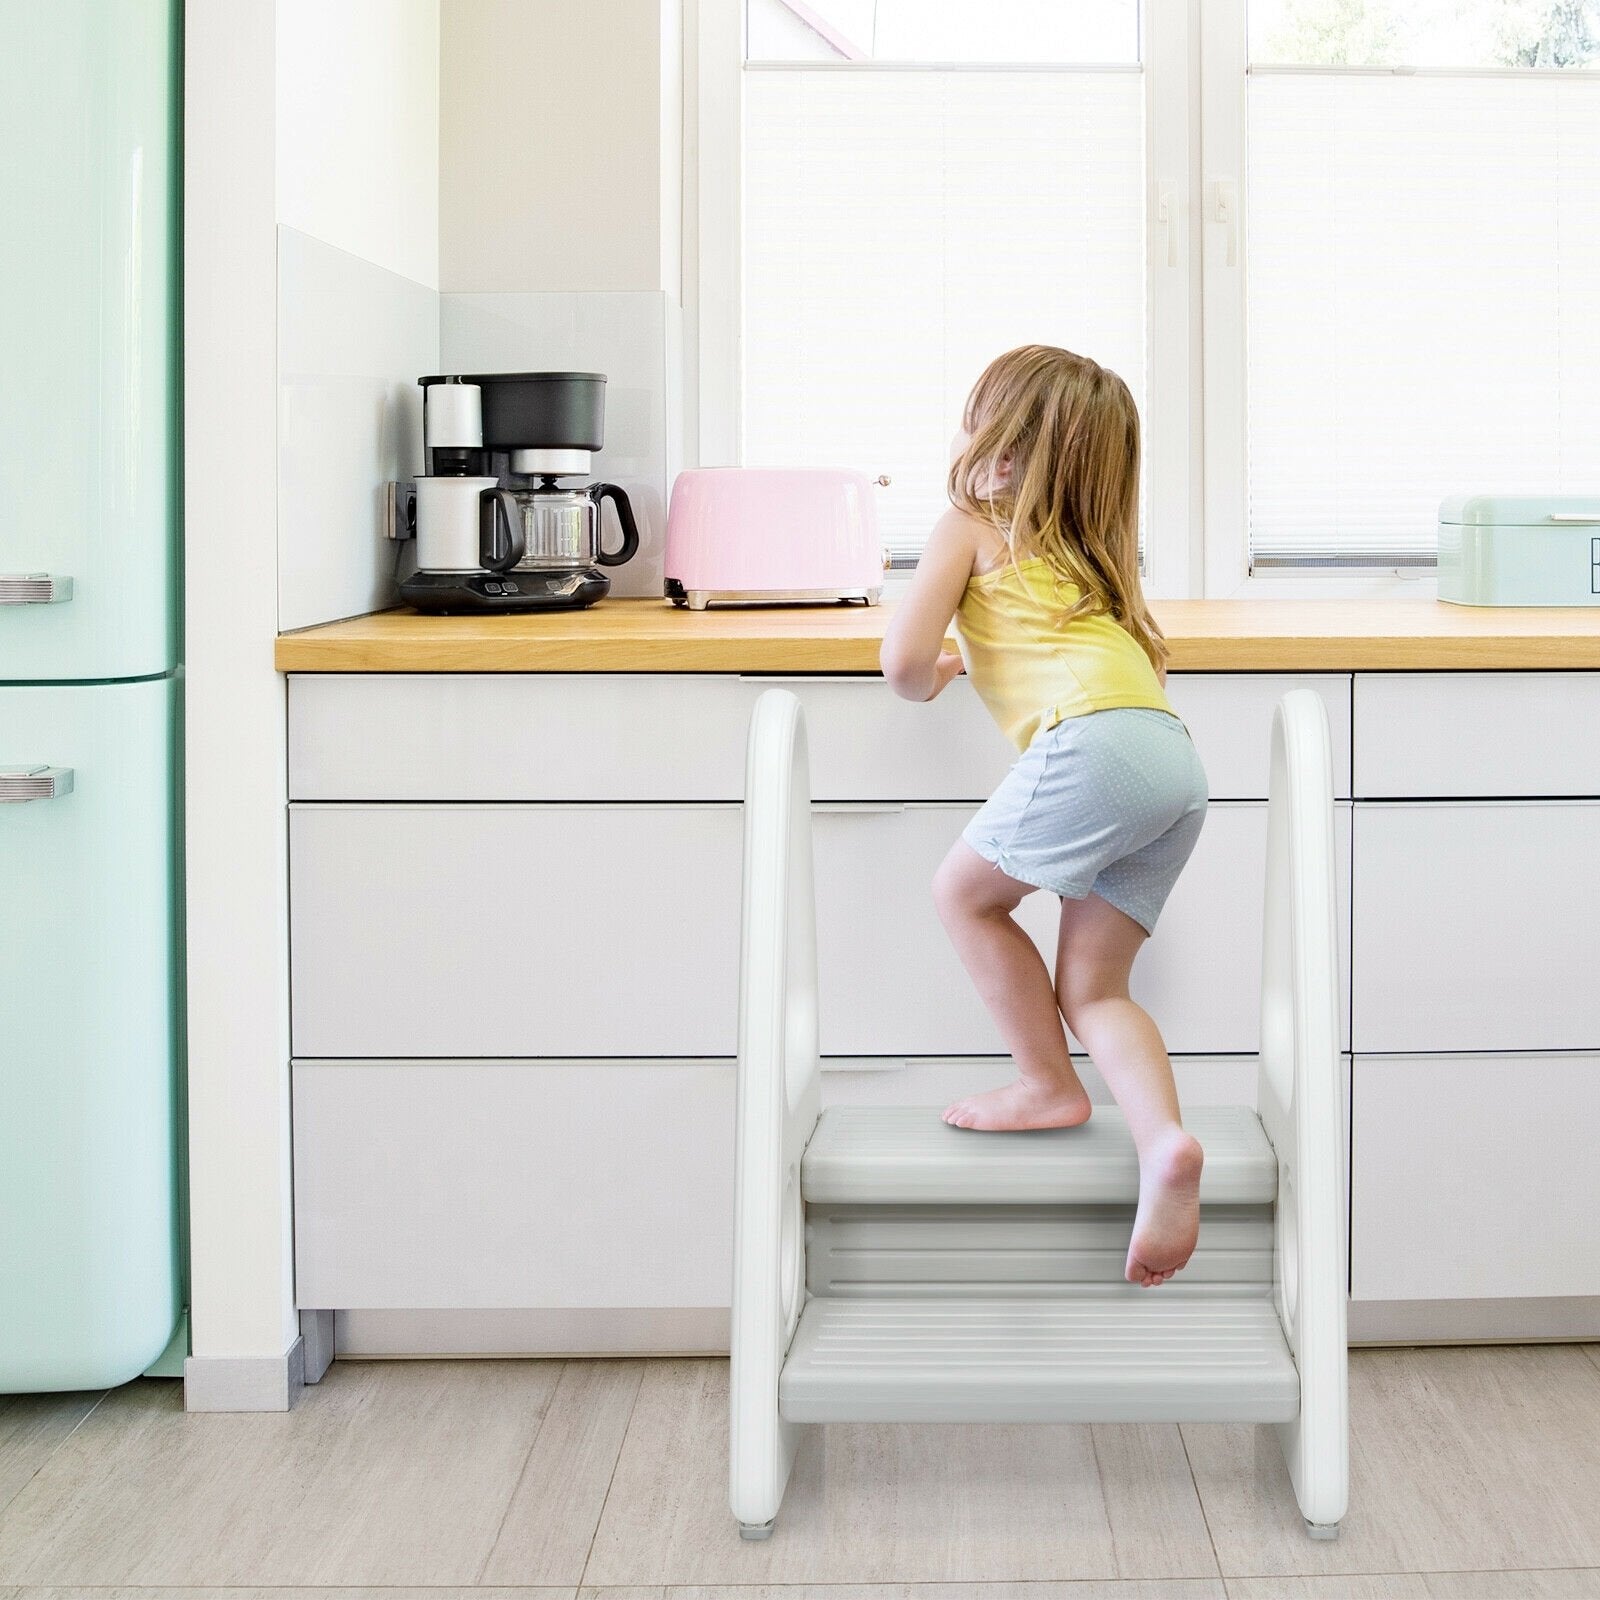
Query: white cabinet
[
  {"x": 1473, "y": 1177},
  {"x": 1431, "y": 735},
  {"x": 479, "y": 1184},
  {"x": 890, "y": 984},
  {"x": 642, "y": 736},
  {"x": 1475, "y": 926},
  {"x": 514, "y": 930}
]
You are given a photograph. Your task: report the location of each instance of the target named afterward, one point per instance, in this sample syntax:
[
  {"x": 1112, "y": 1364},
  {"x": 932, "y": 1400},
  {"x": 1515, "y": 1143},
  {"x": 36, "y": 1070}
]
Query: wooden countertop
[{"x": 1205, "y": 636}]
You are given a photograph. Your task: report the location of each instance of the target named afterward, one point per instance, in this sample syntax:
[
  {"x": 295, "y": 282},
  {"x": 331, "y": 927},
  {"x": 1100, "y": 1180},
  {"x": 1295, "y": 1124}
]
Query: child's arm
[{"x": 913, "y": 656}]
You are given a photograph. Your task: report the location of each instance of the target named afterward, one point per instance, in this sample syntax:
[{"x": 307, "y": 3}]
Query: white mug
[{"x": 457, "y": 526}]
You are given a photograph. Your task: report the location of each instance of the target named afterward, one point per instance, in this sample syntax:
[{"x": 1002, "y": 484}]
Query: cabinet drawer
[
  {"x": 631, "y": 736},
  {"x": 514, "y": 930},
  {"x": 551, "y": 1185},
  {"x": 666, "y": 736},
  {"x": 1473, "y": 1177},
  {"x": 1475, "y": 926},
  {"x": 891, "y": 985},
  {"x": 1433, "y": 735},
  {"x": 1229, "y": 716},
  {"x": 423, "y": 930},
  {"x": 477, "y": 1184}
]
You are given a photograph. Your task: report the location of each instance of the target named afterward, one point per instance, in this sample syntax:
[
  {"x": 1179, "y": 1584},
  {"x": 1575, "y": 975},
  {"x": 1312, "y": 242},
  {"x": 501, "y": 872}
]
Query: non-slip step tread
[
  {"x": 908, "y": 1156},
  {"x": 1123, "y": 1358}
]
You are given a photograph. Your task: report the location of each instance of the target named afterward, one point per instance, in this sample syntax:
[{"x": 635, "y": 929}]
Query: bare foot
[
  {"x": 1022, "y": 1105},
  {"x": 1168, "y": 1221}
]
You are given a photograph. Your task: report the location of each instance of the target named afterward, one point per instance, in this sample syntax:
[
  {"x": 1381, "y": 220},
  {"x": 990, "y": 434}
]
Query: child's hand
[{"x": 948, "y": 666}]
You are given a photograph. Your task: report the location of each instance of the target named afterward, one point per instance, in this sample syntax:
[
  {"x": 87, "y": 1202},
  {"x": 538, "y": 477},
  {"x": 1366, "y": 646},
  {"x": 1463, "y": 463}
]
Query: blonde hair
[{"x": 1052, "y": 463}]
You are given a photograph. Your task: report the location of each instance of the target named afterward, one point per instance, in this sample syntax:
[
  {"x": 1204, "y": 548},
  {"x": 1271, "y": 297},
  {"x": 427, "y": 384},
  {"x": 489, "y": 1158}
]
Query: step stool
[{"x": 890, "y": 1268}]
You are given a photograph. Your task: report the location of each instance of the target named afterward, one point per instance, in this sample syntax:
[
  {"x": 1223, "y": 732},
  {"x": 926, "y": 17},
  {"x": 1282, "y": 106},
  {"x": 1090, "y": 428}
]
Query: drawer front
[
  {"x": 599, "y": 736},
  {"x": 1229, "y": 716},
  {"x": 613, "y": 931},
  {"x": 1475, "y": 926},
  {"x": 549, "y": 1185},
  {"x": 891, "y": 985},
  {"x": 477, "y": 1184},
  {"x": 514, "y": 930},
  {"x": 1473, "y": 1177},
  {"x": 1433, "y": 735}
]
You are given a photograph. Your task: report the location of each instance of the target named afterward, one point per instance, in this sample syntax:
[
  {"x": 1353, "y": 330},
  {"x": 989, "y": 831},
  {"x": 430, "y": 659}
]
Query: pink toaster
[{"x": 772, "y": 535}]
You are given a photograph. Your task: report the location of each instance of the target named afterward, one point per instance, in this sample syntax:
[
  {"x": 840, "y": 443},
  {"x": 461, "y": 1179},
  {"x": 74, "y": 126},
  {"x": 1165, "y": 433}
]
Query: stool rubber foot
[
  {"x": 755, "y": 1530},
  {"x": 1322, "y": 1530}
]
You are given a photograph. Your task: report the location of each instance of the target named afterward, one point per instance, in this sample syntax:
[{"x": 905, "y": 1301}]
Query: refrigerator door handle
[
  {"x": 33, "y": 588},
  {"x": 19, "y": 784}
]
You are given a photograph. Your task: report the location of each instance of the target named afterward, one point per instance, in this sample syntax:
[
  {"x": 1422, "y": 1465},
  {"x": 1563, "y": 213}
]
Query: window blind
[
  {"x": 903, "y": 228},
  {"x": 1423, "y": 304}
]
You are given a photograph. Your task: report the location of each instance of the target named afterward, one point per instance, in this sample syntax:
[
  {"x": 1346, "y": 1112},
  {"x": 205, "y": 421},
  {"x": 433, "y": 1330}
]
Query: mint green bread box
[{"x": 1520, "y": 550}]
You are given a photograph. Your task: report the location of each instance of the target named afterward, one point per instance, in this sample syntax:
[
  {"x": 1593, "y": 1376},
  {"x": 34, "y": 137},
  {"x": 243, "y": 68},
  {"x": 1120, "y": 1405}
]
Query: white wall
[
  {"x": 358, "y": 128},
  {"x": 551, "y": 170}
]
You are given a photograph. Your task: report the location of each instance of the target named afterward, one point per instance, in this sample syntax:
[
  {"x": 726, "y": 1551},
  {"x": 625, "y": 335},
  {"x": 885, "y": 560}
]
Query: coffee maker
[{"x": 495, "y": 530}]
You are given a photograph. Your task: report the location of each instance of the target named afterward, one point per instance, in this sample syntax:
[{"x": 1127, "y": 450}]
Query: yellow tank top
[{"x": 1030, "y": 670}]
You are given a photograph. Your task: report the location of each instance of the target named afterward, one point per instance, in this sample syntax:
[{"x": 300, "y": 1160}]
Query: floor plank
[
  {"x": 551, "y": 1520},
  {"x": 384, "y": 1473},
  {"x": 166, "y": 1592},
  {"x": 1354, "y": 1586},
  {"x": 1086, "y": 1589},
  {"x": 1560, "y": 1583},
  {"x": 32, "y": 1427},
  {"x": 1461, "y": 1459},
  {"x": 889, "y": 1503}
]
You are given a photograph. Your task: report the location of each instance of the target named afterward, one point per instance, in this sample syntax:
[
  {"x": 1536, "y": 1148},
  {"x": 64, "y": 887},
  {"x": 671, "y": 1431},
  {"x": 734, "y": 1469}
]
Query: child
[{"x": 1038, "y": 563}]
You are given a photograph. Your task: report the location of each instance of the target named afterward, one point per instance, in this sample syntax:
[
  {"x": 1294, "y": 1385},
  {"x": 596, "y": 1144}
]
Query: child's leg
[
  {"x": 975, "y": 901},
  {"x": 1093, "y": 960}
]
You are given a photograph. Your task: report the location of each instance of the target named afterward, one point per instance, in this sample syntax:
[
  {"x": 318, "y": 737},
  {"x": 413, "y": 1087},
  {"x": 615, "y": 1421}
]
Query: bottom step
[{"x": 1139, "y": 1357}]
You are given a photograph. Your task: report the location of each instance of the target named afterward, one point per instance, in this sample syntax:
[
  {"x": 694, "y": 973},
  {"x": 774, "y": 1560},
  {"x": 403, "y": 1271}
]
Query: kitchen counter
[{"x": 1204, "y": 635}]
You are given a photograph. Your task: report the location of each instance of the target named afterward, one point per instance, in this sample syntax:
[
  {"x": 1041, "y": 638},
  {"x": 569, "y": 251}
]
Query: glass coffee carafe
[{"x": 561, "y": 527}]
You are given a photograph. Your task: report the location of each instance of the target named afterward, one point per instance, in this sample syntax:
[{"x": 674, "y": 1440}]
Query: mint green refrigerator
[{"x": 90, "y": 1241}]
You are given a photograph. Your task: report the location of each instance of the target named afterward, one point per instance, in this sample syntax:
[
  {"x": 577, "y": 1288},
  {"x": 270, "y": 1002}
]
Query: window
[
  {"x": 905, "y": 222},
  {"x": 1423, "y": 301},
  {"x": 1345, "y": 252}
]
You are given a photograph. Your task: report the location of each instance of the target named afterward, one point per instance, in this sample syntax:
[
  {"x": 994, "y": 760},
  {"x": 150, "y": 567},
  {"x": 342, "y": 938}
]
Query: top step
[{"x": 898, "y": 1155}]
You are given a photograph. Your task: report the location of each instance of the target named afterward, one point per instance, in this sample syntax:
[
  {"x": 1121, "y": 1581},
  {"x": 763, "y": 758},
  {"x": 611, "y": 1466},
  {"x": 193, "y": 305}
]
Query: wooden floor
[{"x": 1476, "y": 1473}]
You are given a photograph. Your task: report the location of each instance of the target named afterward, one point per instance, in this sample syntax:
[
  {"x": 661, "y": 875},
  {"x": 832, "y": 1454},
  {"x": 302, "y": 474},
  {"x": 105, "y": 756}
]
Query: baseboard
[
  {"x": 605, "y": 1331},
  {"x": 244, "y": 1383},
  {"x": 1522, "y": 1321}
]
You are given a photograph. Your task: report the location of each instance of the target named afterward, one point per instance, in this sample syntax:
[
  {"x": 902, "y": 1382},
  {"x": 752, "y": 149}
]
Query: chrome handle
[
  {"x": 1575, "y": 516},
  {"x": 18, "y": 784},
  {"x": 33, "y": 589}
]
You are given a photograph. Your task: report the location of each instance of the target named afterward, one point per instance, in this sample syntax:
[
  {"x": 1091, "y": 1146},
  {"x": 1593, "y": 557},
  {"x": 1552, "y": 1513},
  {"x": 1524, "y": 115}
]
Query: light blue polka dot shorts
[{"x": 1110, "y": 803}]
